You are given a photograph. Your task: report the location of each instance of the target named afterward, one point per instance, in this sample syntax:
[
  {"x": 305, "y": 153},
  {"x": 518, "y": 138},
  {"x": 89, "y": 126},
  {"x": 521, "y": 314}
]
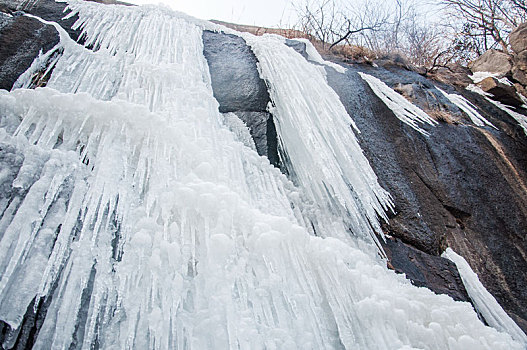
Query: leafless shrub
[{"x": 486, "y": 24}]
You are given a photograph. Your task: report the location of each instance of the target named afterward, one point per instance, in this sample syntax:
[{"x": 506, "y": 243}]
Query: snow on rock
[
  {"x": 150, "y": 226},
  {"x": 485, "y": 303},
  {"x": 401, "y": 107},
  {"x": 467, "y": 107},
  {"x": 477, "y": 77}
]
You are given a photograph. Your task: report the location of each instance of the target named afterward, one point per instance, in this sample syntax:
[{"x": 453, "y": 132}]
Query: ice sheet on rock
[
  {"x": 520, "y": 118},
  {"x": 155, "y": 228},
  {"x": 316, "y": 135},
  {"x": 484, "y": 302},
  {"x": 467, "y": 107},
  {"x": 407, "y": 112}
]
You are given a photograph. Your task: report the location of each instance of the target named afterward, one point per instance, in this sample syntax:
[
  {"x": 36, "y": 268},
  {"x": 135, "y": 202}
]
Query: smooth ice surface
[
  {"x": 407, "y": 112},
  {"x": 153, "y": 226},
  {"x": 467, "y": 107},
  {"x": 485, "y": 303},
  {"x": 520, "y": 118}
]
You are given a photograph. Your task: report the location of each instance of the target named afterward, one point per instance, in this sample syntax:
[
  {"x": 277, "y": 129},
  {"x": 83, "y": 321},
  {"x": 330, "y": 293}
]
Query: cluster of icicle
[{"x": 147, "y": 224}]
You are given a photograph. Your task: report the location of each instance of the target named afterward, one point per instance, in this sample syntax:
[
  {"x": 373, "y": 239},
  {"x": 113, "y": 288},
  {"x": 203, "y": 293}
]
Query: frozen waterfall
[{"x": 148, "y": 224}]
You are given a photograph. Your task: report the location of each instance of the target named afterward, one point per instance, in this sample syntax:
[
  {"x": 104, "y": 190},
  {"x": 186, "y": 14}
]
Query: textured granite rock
[
  {"x": 48, "y": 10},
  {"x": 493, "y": 61},
  {"x": 21, "y": 40},
  {"x": 425, "y": 270},
  {"x": 463, "y": 187},
  {"x": 518, "y": 38}
]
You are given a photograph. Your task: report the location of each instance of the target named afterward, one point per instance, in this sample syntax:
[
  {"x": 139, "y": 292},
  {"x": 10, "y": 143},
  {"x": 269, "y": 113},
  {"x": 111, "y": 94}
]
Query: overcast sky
[{"x": 269, "y": 13}]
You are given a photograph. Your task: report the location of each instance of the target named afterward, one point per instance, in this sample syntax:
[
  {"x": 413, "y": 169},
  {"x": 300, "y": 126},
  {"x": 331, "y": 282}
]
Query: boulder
[
  {"x": 455, "y": 74},
  {"x": 520, "y": 60},
  {"x": 518, "y": 38},
  {"x": 493, "y": 61},
  {"x": 519, "y": 75},
  {"x": 502, "y": 92}
]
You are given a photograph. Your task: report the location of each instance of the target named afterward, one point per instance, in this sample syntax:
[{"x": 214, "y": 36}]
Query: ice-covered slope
[{"x": 137, "y": 213}]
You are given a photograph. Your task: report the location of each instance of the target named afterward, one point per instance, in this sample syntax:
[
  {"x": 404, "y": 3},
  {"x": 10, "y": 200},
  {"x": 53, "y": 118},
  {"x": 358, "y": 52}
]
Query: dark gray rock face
[
  {"x": 21, "y": 40},
  {"x": 424, "y": 270},
  {"x": 298, "y": 46},
  {"x": 262, "y": 129},
  {"x": 461, "y": 187},
  {"x": 238, "y": 88},
  {"x": 47, "y": 10},
  {"x": 236, "y": 83}
]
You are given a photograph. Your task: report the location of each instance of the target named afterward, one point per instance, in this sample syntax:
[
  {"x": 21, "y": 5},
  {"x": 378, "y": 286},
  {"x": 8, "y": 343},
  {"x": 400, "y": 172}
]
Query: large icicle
[
  {"x": 156, "y": 228},
  {"x": 467, "y": 107},
  {"x": 320, "y": 148},
  {"x": 483, "y": 300}
]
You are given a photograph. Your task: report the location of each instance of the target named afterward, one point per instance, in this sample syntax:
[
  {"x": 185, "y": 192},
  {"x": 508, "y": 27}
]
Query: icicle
[
  {"x": 467, "y": 107},
  {"x": 520, "y": 118},
  {"x": 326, "y": 159},
  {"x": 485, "y": 303},
  {"x": 404, "y": 110}
]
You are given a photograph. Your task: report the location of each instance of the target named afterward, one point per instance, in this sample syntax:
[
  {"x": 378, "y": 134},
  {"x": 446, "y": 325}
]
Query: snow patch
[{"x": 477, "y": 77}]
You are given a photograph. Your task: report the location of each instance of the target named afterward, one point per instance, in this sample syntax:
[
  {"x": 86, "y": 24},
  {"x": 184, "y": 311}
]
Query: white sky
[{"x": 269, "y": 13}]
